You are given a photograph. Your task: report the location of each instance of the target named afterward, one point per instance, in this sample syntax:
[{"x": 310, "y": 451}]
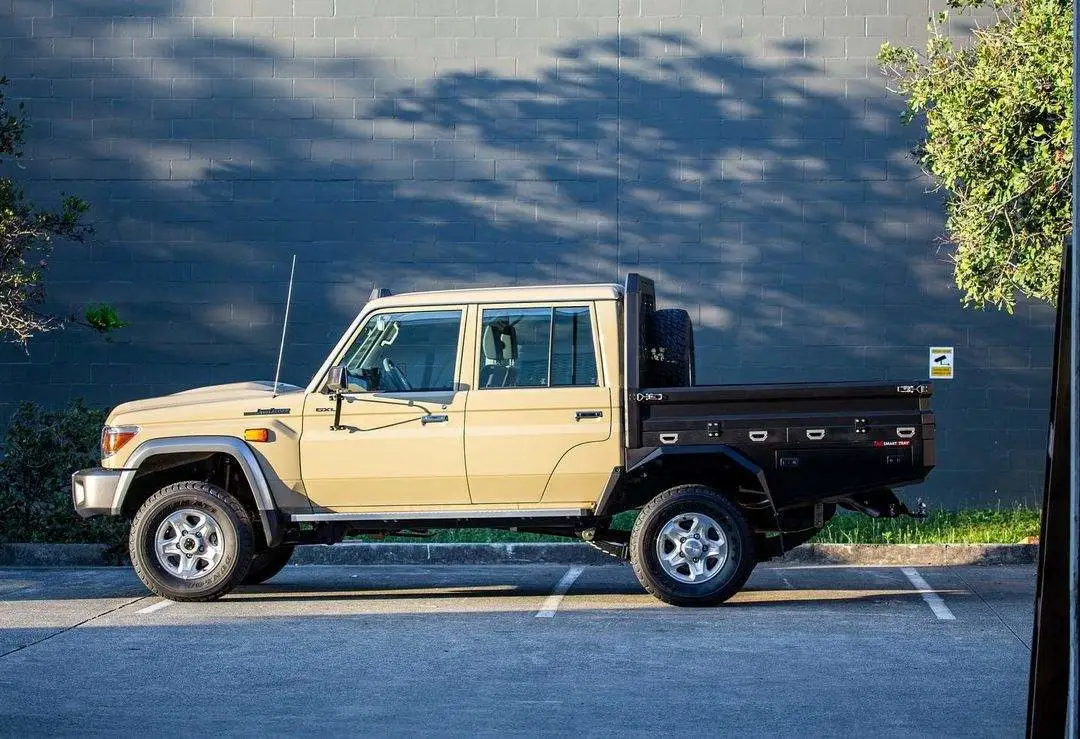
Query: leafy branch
[
  {"x": 26, "y": 236},
  {"x": 998, "y": 141}
]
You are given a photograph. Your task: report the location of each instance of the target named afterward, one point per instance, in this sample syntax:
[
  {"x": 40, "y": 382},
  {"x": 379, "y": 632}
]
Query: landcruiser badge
[{"x": 268, "y": 412}]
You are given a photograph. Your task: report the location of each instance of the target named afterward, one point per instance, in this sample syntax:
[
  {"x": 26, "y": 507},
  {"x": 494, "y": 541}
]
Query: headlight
[{"x": 113, "y": 438}]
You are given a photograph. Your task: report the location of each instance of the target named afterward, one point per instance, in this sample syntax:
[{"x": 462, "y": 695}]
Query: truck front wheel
[
  {"x": 691, "y": 546},
  {"x": 191, "y": 541}
]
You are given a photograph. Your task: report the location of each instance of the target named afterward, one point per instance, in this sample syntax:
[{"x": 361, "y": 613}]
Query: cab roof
[{"x": 501, "y": 295}]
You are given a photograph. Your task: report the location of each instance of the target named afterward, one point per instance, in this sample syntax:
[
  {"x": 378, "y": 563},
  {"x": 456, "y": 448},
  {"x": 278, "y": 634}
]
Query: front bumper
[{"x": 93, "y": 491}]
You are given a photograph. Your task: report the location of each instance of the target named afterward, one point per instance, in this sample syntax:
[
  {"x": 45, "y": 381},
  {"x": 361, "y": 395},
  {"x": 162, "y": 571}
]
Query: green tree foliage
[
  {"x": 26, "y": 234},
  {"x": 998, "y": 116},
  {"x": 103, "y": 318}
]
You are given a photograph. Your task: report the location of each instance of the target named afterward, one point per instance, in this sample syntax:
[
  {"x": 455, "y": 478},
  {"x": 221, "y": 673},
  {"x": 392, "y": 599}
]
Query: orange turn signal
[
  {"x": 257, "y": 434},
  {"x": 114, "y": 437}
]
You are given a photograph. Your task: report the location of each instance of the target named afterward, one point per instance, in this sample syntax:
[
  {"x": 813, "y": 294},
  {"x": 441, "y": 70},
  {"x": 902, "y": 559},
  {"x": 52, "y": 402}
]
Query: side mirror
[{"x": 336, "y": 382}]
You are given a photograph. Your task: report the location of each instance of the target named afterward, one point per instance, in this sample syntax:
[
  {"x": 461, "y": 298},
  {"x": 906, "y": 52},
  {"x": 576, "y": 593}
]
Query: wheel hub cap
[
  {"x": 691, "y": 548},
  {"x": 189, "y": 544}
]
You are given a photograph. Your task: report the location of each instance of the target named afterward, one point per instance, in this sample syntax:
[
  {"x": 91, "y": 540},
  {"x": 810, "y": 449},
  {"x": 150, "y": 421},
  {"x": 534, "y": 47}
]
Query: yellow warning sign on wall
[{"x": 941, "y": 363}]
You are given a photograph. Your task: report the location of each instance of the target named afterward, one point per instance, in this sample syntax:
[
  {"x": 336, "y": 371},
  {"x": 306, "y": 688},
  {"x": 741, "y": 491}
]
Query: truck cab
[
  {"x": 480, "y": 400},
  {"x": 549, "y": 409}
]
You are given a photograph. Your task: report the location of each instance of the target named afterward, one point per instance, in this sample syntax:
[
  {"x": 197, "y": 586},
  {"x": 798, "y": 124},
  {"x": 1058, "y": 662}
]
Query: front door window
[{"x": 405, "y": 352}]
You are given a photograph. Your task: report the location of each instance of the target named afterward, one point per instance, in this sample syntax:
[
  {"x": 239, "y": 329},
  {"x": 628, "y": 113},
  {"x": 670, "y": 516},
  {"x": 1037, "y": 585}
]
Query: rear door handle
[
  {"x": 429, "y": 418},
  {"x": 588, "y": 414}
]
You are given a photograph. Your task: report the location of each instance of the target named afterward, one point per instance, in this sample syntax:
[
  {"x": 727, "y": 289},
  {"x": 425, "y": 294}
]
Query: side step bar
[{"x": 461, "y": 514}]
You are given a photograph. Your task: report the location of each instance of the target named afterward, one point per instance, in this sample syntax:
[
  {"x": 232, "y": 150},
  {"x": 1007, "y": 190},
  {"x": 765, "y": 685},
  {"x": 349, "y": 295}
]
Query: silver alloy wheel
[
  {"x": 189, "y": 544},
  {"x": 691, "y": 548}
]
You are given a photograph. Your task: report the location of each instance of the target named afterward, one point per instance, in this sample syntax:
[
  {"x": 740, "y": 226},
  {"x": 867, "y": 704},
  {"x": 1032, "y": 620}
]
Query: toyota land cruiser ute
[{"x": 539, "y": 409}]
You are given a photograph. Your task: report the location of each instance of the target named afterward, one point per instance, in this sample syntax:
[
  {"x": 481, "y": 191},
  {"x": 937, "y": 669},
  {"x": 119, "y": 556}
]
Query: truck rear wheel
[
  {"x": 191, "y": 541},
  {"x": 268, "y": 563},
  {"x": 672, "y": 351},
  {"x": 691, "y": 546}
]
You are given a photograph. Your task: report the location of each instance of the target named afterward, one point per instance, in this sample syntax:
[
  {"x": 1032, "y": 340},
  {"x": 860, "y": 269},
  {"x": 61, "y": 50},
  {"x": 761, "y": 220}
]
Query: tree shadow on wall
[{"x": 777, "y": 213}]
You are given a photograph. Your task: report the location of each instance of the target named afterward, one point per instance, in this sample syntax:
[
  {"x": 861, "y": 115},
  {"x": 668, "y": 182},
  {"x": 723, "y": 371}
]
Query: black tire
[
  {"x": 730, "y": 575},
  {"x": 234, "y": 537},
  {"x": 672, "y": 350},
  {"x": 268, "y": 563}
]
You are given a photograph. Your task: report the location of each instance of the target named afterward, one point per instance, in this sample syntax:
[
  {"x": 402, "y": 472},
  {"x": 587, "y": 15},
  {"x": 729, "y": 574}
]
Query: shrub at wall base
[{"x": 40, "y": 451}]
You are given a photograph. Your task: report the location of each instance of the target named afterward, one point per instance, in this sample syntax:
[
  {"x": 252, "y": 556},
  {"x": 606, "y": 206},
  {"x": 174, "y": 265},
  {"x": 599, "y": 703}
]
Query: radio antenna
[{"x": 284, "y": 326}]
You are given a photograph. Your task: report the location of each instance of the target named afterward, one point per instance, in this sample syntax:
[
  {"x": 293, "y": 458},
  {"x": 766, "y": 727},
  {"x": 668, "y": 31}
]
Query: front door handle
[
  {"x": 588, "y": 414},
  {"x": 429, "y": 418}
]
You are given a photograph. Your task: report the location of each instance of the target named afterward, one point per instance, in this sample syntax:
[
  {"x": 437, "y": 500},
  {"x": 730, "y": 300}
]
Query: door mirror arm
[
  {"x": 336, "y": 426},
  {"x": 339, "y": 383}
]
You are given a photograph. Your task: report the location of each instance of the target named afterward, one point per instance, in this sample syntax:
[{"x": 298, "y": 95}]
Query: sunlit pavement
[{"x": 815, "y": 651}]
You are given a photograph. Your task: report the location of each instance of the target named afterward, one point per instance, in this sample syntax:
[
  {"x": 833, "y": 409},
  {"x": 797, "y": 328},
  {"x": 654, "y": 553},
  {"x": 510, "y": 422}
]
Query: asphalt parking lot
[{"x": 803, "y": 651}]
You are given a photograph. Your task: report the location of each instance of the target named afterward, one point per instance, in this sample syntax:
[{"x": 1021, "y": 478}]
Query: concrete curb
[
  {"x": 924, "y": 555},
  {"x": 53, "y": 555},
  {"x": 363, "y": 553}
]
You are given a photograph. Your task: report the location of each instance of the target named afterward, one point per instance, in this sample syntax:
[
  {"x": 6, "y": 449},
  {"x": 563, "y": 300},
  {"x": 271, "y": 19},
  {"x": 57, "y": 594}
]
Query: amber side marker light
[
  {"x": 256, "y": 434},
  {"x": 115, "y": 437}
]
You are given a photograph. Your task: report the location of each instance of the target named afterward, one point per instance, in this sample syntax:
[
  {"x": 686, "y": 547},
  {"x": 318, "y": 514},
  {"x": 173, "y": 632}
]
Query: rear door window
[{"x": 537, "y": 347}]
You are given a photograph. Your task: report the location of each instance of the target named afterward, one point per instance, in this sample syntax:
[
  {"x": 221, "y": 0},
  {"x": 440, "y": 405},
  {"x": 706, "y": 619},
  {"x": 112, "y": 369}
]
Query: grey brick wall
[{"x": 745, "y": 153}]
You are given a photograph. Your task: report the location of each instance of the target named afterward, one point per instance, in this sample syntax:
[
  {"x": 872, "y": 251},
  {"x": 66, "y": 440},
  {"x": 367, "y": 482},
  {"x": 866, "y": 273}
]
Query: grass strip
[{"x": 978, "y": 526}]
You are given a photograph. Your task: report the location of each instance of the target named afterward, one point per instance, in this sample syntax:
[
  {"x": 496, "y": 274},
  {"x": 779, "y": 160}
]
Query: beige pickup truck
[{"x": 543, "y": 409}]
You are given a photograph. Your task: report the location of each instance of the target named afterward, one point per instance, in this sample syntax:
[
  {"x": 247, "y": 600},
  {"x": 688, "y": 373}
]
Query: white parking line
[
  {"x": 552, "y": 603},
  {"x": 937, "y": 605},
  {"x": 156, "y": 607}
]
